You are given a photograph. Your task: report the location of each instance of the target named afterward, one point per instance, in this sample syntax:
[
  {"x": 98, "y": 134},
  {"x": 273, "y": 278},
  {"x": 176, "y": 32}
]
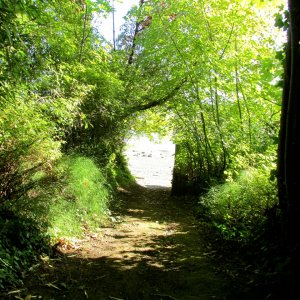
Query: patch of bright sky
[{"x": 105, "y": 25}]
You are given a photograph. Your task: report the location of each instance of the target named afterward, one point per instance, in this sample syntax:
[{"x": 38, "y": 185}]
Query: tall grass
[
  {"x": 68, "y": 198},
  {"x": 81, "y": 199}
]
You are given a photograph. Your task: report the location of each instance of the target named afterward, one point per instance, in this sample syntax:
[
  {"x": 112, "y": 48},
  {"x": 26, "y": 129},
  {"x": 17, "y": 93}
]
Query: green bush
[
  {"x": 238, "y": 207},
  {"x": 26, "y": 145}
]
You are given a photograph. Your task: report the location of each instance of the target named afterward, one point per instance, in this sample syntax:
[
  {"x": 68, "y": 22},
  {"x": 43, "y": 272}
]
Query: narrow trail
[{"x": 152, "y": 249}]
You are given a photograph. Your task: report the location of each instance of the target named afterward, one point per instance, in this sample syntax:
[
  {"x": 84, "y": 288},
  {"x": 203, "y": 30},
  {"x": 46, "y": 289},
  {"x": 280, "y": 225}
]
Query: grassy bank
[{"x": 65, "y": 201}]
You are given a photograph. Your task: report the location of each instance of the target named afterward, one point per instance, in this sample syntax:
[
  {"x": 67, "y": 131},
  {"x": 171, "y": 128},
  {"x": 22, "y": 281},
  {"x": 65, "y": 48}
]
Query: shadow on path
[{"x": 152, "y": 250}]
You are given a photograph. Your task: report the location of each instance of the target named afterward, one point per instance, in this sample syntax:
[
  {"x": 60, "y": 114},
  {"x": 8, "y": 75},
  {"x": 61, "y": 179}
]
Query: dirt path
[{"x": 152, "y": 250}]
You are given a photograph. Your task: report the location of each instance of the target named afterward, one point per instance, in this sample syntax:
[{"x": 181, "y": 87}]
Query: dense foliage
[
  {"x": 205, "y": 72},
  {"x": 214, "y": 82},
  {"x": 59, "y": 96},
  {"x": 228, "y": 100}
]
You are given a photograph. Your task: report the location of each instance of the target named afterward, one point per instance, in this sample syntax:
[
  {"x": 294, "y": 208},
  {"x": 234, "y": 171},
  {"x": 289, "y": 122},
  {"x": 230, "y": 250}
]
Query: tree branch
[
  {"x": 157, "y": 102},
  {"x": 136, "y": 32}
]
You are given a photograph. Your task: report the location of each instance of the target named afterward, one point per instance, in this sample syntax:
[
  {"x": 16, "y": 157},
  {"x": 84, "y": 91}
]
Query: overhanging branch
[{"x": 157, "y": 102}]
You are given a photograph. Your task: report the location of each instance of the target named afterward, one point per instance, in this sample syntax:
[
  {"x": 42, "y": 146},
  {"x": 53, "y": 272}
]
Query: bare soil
[{"x": 153, "y": 249}]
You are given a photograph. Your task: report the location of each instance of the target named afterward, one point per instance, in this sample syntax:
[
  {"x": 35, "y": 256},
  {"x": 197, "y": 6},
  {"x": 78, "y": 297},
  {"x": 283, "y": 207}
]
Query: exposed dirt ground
[{"x": 152, "y": 250}]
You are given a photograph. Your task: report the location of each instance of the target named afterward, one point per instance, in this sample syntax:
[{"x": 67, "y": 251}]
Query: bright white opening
[{"x": 151, "y": 162}]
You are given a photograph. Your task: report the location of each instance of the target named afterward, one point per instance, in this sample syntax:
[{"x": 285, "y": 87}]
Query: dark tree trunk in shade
[{"x": 289, "y": 140}]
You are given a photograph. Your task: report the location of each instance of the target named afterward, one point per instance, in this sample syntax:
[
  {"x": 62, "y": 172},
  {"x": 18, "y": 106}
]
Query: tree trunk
[
  {"x": 136, "y": 32},
  {"x": 289, "y": 139}
]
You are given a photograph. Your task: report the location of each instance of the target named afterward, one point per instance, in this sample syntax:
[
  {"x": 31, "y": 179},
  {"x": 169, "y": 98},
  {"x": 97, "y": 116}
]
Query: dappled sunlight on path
[{"x": 152, "y": 248}]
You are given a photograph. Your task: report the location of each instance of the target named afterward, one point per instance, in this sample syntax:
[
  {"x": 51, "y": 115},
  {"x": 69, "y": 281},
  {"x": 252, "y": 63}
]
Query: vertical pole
[{"x": 114, "y": 30}]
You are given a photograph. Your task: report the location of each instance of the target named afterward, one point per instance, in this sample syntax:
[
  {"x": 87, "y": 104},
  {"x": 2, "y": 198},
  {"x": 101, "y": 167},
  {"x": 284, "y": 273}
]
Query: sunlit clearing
[{"x": 151, "y": 163}]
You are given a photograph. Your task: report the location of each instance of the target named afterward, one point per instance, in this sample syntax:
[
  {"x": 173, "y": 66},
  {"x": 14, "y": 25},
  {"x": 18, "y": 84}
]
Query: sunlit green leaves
[{"x": 226, "y": 52}]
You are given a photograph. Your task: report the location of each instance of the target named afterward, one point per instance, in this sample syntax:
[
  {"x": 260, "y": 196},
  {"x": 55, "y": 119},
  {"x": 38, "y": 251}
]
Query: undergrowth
[
  {"x": 80, "y": 200},
  {"x": 238, "y": 209},
  {"x": 22, "y": 241},
  {"x": 242, "y": 218},
  {"x": 67, "y": 200}
]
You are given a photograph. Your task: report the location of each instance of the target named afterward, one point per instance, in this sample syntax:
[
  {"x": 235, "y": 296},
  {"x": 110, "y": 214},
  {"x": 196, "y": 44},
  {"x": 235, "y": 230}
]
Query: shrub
[
  {"x": 238, "y": 207},
  {"x": 26, "y": 144}
]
